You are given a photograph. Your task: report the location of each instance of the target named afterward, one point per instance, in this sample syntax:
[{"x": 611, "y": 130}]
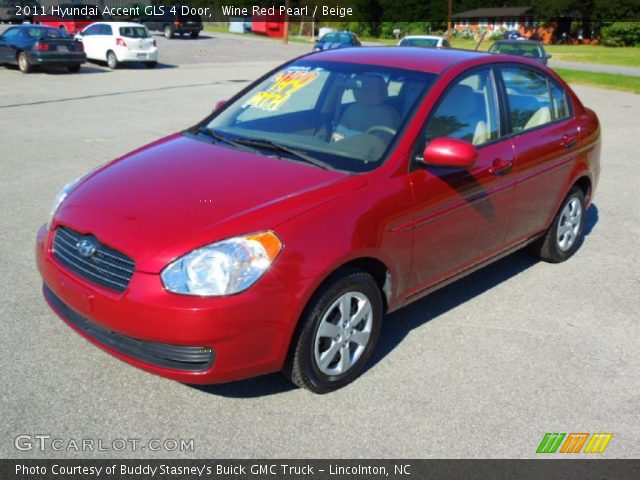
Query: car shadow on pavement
[
  {"x": 397, "y": 325},
  {"x": 251, "y": 388}
]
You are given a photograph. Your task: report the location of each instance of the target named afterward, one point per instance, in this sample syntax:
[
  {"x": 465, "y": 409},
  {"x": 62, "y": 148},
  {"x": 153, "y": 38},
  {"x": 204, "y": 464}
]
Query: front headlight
[
  {"x": 223, "y": 268},
  {"x": 60, "y": 196}
]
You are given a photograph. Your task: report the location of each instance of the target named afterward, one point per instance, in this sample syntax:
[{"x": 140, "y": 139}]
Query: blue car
[
  {"x": 31, "y": 45},
  {"x": 335, "y": 40}
]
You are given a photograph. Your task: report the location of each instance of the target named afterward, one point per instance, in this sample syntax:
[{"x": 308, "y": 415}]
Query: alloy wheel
[{"x": 343, "y": 333}]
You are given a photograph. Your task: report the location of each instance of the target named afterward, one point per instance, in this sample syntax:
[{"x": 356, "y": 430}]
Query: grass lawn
[
  {"x": 612, "y": 81},
  {"x": 625, "y": 56}
]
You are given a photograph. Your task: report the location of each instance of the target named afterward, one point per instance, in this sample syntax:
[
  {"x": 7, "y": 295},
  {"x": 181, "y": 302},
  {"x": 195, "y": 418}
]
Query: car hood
[{"x": 163, "y": 200}]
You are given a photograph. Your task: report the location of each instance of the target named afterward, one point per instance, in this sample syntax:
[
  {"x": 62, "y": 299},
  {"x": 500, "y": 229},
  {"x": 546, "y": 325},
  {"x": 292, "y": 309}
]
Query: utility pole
[
  {"x": 449, "y": 13},
  {"x": 285, "y": 38}
]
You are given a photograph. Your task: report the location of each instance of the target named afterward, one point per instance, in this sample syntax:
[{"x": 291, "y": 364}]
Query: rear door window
[{"x": 529, "y": 98}]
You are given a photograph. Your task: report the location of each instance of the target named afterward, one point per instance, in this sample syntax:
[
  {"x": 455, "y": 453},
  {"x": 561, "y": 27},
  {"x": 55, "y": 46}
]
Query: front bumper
[{"x": 242, "y": 336}]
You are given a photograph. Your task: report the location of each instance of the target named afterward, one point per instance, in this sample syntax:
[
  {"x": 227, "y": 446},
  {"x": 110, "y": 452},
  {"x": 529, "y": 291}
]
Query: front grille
[
  {"x": 177, "y": 357},
  {"x": 106, "y": 267}
]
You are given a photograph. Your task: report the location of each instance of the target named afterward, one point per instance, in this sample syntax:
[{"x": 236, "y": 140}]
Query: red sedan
[{"x": 278, "y": 232}]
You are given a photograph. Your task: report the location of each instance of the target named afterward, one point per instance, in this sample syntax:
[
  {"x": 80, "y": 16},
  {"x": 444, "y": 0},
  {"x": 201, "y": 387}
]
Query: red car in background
[
  {"x": 70, "y": 18},
  {"x": 278, "y": 232}
]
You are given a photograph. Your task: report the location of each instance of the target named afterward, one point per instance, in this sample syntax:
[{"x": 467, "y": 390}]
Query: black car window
[
  {"x": 467, "y": 111},
  {"x": 10, "y": 34},
  {"x": 529, "y": 97},
  {"x": 92, "y": 30},
  {"x": 134, "y": 32},
  {"x": 346, "y": 39}
]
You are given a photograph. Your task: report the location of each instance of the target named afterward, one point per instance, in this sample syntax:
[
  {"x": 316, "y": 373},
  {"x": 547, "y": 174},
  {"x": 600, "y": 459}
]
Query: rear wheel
[
  {"x": 24, "y": 64},
  {"x": 112, "y": 60},
  {"x": 151, "y": 64},
  {"x": 337, "y": 334},
  {"x": 565, "y": 233},
  {"x": 195, "y": 34},
  {"x": 168, "y": 31},
  {"x": 74, "y": 68}
]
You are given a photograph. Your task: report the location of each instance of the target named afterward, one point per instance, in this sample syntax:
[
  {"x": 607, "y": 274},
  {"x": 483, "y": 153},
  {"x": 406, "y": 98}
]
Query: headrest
[
  {"x": 460, "y": 101},
  {"x": 371, "y": 90}
]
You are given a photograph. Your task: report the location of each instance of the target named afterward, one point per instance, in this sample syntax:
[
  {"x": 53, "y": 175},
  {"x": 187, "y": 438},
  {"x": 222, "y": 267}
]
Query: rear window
[
  {"x": 39, "y": 33},
  {"x": 522, "y": 50},
  {"x": 420, "y": 42},
  {"x": 134, "y": 32}
]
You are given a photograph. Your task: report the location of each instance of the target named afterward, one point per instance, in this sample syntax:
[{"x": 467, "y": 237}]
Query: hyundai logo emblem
[{"x": 86, "y": 246}]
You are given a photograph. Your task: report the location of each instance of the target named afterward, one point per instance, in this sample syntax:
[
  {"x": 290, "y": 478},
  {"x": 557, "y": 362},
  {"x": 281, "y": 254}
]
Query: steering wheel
[{"x": 381, "y": 128}]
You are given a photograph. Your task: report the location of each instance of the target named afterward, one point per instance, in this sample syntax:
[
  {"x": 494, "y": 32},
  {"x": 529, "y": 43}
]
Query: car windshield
[
  {"x": 520, "y": 49},
  {"x": 419, "y": 42},
  {"x": 337, "y": 115},
  {"x": 134, "y": 32}
]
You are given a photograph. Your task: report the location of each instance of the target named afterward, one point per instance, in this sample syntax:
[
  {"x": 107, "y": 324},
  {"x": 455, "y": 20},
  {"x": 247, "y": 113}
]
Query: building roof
[{"x": 495, "y": 12}]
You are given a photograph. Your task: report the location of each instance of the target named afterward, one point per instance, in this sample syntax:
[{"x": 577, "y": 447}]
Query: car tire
[
  {"x": 565, "y": 234},
  {"x": 24, "y": 64},
  {"x": 329, "y": 351},
  {"x": 74, "y": 68},
  {"x": 195, "y": 34},
  {"x": 112, "y": 60},
  {"x": 168, "y": 31},
  {"x": 151, "y": 64}
]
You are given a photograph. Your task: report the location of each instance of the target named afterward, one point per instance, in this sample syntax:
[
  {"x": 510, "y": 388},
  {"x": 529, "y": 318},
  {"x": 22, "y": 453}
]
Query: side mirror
[
  {"x": 549, "y": 56},
  {"x": 449, "y": 152},
  {"x": 219, "y": 105}
]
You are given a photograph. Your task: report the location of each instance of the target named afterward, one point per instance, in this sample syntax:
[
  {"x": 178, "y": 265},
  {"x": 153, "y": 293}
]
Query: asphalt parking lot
[{"x": 482, "y": 368}]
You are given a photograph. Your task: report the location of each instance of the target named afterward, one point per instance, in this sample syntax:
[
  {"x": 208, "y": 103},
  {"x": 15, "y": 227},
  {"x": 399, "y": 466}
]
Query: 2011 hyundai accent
[{"x": 276, "y": 233}]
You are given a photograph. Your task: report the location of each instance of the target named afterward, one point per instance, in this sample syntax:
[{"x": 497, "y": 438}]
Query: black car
[
  {"x": 334, "y": 40},
  {"x": 8, "y": 12},
  {"x": 31, "y": 45},
  {"x": 171, "y": 24},
  {"x": 521, "y": 48}
]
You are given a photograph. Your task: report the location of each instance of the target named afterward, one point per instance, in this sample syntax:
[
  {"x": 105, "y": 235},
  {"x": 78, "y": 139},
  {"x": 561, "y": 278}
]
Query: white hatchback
[
  {"x": 424, "y": 41},
  {"x": 118, "y": 42}
]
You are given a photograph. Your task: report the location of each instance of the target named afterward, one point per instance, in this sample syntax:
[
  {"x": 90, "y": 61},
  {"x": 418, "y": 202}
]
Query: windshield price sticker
[{"x": 285, "y": 84}]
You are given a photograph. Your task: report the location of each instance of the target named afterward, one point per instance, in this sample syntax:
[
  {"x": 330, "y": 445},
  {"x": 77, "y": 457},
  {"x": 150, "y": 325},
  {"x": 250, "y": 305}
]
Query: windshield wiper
[
  {"x": 278, "y": 147},
  {"x": 221, "y": 138}
]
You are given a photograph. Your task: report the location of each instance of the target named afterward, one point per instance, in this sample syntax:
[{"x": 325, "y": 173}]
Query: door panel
[
  {"x": 462, "y": 215},
  {"x": 545, "y": 142}
]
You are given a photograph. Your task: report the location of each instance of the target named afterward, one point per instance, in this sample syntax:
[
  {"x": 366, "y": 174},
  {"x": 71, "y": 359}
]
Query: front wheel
[
  {"x": 195, "y": 34},
  {"x": 337, "y": 334},
  {"x": 565, "y": 233}
]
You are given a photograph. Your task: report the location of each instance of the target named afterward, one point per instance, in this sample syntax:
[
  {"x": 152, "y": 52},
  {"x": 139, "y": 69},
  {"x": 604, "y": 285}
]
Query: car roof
[
  {"x": 120, "y": 24},
  {"x": 412, "y": 58},
  {"x": 426, "y": 37},
  {"x": 518, "y": 42},
  {"x": 24, "y": 26}
]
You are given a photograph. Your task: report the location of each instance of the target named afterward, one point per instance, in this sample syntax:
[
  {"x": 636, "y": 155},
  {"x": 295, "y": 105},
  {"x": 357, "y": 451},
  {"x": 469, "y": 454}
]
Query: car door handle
[
  {"x": 500, "y": 167},
  {"x": 569, "y": 141}
]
